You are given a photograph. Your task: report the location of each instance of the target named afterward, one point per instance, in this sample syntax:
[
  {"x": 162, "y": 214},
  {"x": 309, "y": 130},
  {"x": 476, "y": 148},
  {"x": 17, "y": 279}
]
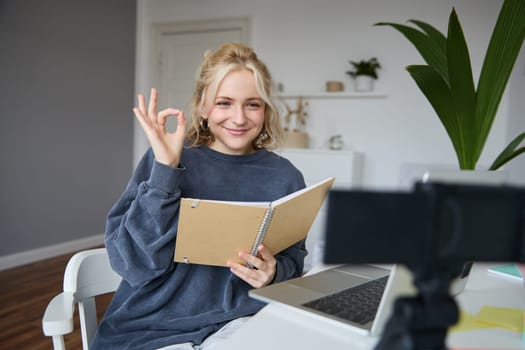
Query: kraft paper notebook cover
[{"x": 212, "y": 232}]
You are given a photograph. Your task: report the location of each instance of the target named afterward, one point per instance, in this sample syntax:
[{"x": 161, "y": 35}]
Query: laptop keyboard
[{"x": 358, "y": 304}]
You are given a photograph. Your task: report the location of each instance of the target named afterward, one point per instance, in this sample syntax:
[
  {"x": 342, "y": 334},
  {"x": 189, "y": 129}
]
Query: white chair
[{"x": 88, "y": 274}]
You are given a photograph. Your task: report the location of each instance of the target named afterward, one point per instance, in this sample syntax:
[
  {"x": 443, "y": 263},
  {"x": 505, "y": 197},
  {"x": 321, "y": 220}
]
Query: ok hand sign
[{"x": 167, "y": 147}]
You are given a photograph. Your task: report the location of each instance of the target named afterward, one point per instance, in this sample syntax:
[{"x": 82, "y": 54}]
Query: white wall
[
  {"x": 516, "y": 123},
  {"x": 307, "y": 42}
]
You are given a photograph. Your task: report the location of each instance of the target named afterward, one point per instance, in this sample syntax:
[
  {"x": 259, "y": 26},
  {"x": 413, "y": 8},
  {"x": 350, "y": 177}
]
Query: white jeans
[{"x": 213, "y": 340}]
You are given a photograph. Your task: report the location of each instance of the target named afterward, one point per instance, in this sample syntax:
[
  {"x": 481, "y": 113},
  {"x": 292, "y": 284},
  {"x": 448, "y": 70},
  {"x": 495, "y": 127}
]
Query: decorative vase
[
  {"x": 363, "y": 83},
  {"x": 336, "y": 142},
  {"x": 295, "y": 139}
]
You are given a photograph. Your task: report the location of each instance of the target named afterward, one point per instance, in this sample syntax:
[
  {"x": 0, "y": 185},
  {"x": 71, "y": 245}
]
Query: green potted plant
[
  {"x": 467, "y": 112},
  {"x": 364, "y": 73}
]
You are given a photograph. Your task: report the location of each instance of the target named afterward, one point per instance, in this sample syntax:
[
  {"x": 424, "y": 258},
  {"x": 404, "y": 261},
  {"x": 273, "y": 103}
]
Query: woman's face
[{"x": 236, "y": 117}]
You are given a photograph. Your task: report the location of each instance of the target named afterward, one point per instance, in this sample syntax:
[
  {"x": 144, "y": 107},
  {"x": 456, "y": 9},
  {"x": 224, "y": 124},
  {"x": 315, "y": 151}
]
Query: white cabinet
[{"x": 317, "y": 165}]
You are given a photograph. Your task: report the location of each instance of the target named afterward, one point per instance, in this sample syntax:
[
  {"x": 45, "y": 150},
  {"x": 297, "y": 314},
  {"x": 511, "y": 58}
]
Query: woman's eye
[
  {"x": 254, "y": 105},
  {"x": 223, "y": 103}
]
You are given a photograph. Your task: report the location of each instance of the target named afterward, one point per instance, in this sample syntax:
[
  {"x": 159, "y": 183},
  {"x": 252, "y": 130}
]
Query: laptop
[
  {"x": 375, "y": 286},
  {"x": 317, "y": 295}
]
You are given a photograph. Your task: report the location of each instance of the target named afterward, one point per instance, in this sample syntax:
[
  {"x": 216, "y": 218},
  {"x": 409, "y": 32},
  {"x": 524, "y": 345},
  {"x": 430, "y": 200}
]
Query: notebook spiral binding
[{"x": 262, "y": 231}]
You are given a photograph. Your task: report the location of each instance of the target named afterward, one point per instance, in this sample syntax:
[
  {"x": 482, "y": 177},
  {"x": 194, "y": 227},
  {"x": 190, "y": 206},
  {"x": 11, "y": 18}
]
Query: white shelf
[{"x": 323, "y": 94}]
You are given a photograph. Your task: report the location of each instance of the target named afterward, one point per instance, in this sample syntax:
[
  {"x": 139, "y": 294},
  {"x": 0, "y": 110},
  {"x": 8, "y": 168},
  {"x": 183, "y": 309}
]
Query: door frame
[{"x": 158, "y": 29}]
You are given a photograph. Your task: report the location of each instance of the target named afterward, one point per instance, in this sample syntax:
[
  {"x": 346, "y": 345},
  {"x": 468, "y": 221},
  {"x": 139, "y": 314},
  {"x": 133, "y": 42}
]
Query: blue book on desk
[{"x": 507, "y": 270}]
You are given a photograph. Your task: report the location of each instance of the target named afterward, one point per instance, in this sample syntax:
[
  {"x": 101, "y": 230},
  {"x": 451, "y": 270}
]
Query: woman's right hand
[{"x": 167, "y": 147}]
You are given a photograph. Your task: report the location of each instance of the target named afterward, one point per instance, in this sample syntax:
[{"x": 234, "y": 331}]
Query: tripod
[{"x": 421, "y": 322}]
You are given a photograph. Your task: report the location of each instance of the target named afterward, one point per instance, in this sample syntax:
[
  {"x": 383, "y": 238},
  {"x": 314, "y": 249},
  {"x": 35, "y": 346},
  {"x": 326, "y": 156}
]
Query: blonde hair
[{"x": 215, "y": 66}]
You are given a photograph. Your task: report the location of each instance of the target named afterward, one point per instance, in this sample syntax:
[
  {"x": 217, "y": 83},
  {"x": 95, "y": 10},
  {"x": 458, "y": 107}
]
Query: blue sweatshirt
[{"x": 160, "y": 302}]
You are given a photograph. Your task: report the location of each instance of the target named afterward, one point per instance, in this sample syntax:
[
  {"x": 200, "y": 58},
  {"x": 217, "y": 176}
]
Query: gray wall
[{"x": 66, "y": 93}]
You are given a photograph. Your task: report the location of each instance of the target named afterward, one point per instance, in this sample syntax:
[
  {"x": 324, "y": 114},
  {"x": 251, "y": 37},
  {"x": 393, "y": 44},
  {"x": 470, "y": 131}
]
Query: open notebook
[{"x": 212, "y": 232}]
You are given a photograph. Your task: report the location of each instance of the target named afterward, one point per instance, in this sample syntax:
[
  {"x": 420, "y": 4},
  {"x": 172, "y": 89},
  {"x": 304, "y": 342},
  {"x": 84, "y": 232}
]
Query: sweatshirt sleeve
[
  {"x": 142, "y": 225},
  {"x": 290, "y": 262}
]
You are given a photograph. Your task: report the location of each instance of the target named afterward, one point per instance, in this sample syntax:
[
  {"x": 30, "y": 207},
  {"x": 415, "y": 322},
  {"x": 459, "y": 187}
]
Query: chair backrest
[{"x": 88, "y": 274}]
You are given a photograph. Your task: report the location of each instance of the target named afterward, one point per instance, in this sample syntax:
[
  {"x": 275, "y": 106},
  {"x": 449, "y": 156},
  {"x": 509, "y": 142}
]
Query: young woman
[{"x": 223, "y": 156}]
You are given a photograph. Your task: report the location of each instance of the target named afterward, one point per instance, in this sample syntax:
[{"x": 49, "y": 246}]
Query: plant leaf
[
  {"x": 430, "y": 49},
  {"x": 433, "y": 34},
  {"x": 438, "y": 94},
  {"x": 466, "y": 113},
  {"x": 462, "y": 87},
  {"x": 504, "y": 46},
  {"x": 509, "y": 152}
]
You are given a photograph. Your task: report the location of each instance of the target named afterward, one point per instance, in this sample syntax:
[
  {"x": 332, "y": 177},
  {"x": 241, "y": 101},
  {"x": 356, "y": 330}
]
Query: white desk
[{"x": 280, "y": 327}]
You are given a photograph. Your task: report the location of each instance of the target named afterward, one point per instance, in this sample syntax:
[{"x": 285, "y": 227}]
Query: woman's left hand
[{"x": 264, "y": 268}]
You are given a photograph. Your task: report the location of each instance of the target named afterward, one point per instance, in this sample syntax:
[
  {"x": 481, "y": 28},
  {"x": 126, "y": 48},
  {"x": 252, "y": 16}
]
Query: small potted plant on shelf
[{"x": 364, "y": 73}]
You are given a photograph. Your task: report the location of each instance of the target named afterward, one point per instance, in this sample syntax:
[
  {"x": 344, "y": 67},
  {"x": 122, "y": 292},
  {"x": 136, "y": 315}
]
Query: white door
[{"x": 181, "y": 48}]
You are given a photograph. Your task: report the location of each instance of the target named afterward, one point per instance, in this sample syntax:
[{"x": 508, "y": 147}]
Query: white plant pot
[
  {"x": 473, "y": 177},
  {"x": 363, "y": 83}
]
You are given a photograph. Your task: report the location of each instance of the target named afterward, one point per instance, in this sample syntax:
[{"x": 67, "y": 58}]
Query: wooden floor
[{"x": 24, "y": 294}]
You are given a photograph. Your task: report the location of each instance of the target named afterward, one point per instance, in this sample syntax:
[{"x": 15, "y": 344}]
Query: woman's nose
[{"x": 238, "y": 117}]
